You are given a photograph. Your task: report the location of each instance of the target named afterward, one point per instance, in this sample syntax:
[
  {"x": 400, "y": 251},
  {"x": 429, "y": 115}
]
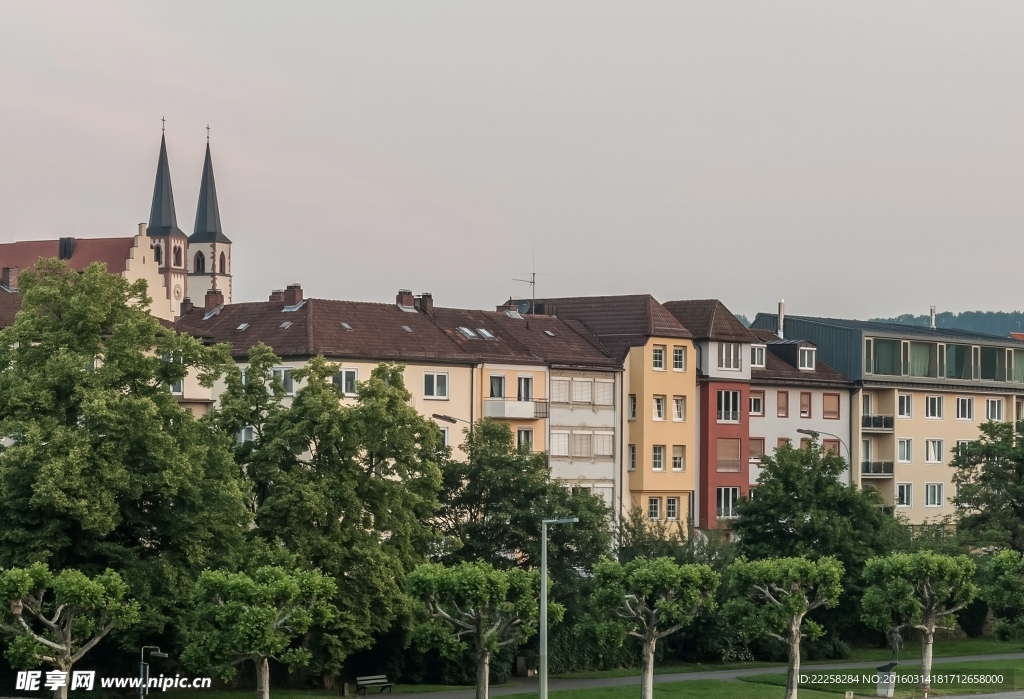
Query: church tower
[
  {"x": 209, "y": 263},
  {"x": 169, "y": 243}
]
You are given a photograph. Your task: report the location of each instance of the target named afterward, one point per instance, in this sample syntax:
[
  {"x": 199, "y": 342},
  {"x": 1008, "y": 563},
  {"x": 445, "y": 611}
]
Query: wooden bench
[{"x": 368, "y": 681}]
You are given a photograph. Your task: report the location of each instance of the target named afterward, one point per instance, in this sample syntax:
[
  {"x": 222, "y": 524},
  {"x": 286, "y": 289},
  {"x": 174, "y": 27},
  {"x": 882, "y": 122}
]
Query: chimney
[
  {"x": 186, "y": 305},
  {"x": 782, "y": 319},
  {"x": 277, "y": 295},
  {"x": 292, "y": 296},
  {"x": 931, "y": 318},
  {"x": 10, "y": 278},
  {"x": 405, "y": 298},
  {"x": 214, "y": 298},
  {"x": 425, "y": 302}
]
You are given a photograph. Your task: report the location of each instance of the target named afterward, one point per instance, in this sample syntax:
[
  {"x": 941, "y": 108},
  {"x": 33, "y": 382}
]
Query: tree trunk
[
  {"x": 927, "y": 640},
  {"x": 65, "y": 667},
  {"x": 483, "y": 673},
  {"x": 793, "y": 674},
  {"x": 647, "y": 673},
  {"x": 262, "y": 678}
]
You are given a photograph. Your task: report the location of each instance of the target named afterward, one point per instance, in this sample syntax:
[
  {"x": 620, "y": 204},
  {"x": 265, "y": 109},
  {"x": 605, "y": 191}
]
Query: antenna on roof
[{"x": 532, "y": 281}]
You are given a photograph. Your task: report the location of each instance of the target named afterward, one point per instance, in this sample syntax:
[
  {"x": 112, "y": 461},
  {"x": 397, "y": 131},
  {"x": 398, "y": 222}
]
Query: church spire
[
  {"x": 208, "y": 228},
  {"x": 162, "y": 219}
]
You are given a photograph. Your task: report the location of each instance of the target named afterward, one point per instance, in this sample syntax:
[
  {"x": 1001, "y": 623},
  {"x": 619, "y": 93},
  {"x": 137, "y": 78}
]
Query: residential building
[{"x": 919, "y": 392}]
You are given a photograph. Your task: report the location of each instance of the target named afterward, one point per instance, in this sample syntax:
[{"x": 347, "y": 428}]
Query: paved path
[{"x": 530, "y": 685}]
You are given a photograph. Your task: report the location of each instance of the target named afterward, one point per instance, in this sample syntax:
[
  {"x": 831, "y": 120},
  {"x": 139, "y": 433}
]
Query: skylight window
[
  {"x": 406, "y": 328},
  {"x": 549, "y": 333},
  {"x": 243, "y": 326},
  {"x": 485, "y": 333},
  {"x": 286, "y": 324},
  {"x": 346, "y": 326},
  {"x": 468, "y": 333},
  {"x": 513, "y": 314},
  {"x": 292, "y": 309}
]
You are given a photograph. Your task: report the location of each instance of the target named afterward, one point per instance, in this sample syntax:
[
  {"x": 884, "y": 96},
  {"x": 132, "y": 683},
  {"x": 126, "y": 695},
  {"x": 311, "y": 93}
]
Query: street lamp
[
  {"x": 154, "y": 652},
  {"x": 814, "y": 434},
  {"x": 544, "y": 599}
]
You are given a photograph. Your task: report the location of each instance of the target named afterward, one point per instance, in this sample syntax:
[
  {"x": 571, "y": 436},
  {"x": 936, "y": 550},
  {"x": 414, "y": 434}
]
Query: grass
[
  {"x": 705, "y": 689},
  {"x": 313, "y": 693}
]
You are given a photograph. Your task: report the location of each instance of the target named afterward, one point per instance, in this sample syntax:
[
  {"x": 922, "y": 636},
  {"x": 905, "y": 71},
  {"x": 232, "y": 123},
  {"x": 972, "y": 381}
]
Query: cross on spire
[
  {"x": 163, "y": 124},
  {"x": 207, "y": 133}
]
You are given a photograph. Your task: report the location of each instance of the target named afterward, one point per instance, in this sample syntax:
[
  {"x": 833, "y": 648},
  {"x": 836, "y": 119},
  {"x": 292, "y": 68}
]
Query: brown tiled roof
[
  {"x": 763, "y": 335},
  {"x": 708, "y": 319},
  {"x": 619, "y": 322},
  {"x": 113, "y": 251},
  {"x": 556, "y": 340},
  {"x": 778, "y": 370},
  {"x": 10, "y": 304}
]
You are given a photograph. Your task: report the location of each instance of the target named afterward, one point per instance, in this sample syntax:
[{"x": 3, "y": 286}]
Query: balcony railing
[
  {"x": 876, "y": 468},
  {"x": 541, "y": 409},
  {"x": 728, "y": 416},
  {"x": 876, "y": 422}
]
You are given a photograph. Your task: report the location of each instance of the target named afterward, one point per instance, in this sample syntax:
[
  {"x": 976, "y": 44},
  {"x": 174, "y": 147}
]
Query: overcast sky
[{"x": 856, "y": 158}]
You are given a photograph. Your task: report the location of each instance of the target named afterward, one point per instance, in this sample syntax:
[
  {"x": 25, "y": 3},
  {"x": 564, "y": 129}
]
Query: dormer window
[
  {"x": 757, "y": 356},
  {"x": 807, "y": 358}
]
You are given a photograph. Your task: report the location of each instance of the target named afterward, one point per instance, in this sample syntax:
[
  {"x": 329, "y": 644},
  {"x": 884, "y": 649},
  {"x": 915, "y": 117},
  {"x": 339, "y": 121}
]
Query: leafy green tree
[
  {"x": 923, "y": 590},
  {"x": 653, "y": 599},
  {"x": 774, "y": 597},
  {"x": 493, "y": 608},
  {"x": 57, "y": 619},
  {"x": 102, "y": 468},
  {"x": 243, "y": 618},
  {"x": 1004, "y": 591},
  {"x": 989, "y": 476}
]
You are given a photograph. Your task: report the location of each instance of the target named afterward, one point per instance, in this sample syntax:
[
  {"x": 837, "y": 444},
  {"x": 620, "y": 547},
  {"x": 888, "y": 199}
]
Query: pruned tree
[
  {"x": 775, "y": 595},
  {"x": 923, "y": 590},
  {"x": 57, "y": 619},
  {"x": 653, "y": 599},
  {"x": 492, "y": 608},
  {"x": 256, "y": 618}
]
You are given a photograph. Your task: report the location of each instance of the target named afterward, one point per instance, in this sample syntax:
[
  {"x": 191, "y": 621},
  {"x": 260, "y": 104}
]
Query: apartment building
[
  {"x": 657, "y": 393},
  {"x": 919, "y": 392},
  {"x": 793, "y": 396}
]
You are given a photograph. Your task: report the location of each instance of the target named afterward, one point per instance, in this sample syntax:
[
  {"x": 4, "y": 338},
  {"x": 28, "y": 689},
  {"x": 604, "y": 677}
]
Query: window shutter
[
  {"x": 581, "y": 444},
  {"x": 559, "y": 390},
  {"x": 581, "y": 390},
  {"x": 559, "y": 444},
  {"x": 604, "y": 392},
  {"x": 830, "y": 408},
  {"x": 728, "y": 454},
  {"x": 603, "y": 444}
]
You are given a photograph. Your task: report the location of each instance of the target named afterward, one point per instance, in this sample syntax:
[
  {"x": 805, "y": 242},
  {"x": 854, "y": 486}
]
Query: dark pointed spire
[
  {"x": 162, "y": 219},
  {"x": 208, "y": 213}
]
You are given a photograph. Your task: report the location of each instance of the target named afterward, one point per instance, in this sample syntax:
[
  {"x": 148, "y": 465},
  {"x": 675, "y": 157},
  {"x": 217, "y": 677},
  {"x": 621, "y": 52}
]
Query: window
[
  {"x": 933, "y": 494},
  {"x": 525, "y": 388},
  {"x": 933, "y": 407},
  {"x": 830, "y": 406},
  {"x": 729, "y": 355},
  {"x": 904, "y": 495},
  {"x": 933, "y": 451},
  {"x": 345, "y": 381},
  {"x": 807, "y": 358},
  {"x": 582, "y": 444},
  {"x": 158, "y": 254},
  {"x": 654, "y": 508},
  {"x": 728, "y": 454},
  {"x": 559, "y": 390},
  {"x": 603, "y": 443},
  {"x": 782, "y": 400},
  {"x": 905, "y": 451},
  {"x": 178, "y": 387},
  {"x": 485, "y": 333},
  {"x": 199, "y": 263},
  {"x": 964, "y": 408},
  {"x": 830, "y": 445},
  {"x": 223, "y": 264},
  {"x": 865, "y": 404},
  {"x": 658, "y": 357},
  {"x": 783, "y": 442},
  {"x": 757, "y": 355},
  {"x": 728, "y": 406},
  {"x": 679, "y": 359},
  {"x": 246, "y": 434},
  {"x": 679, "y": 408},
  {"x": 658, "y": 458},
  {"x": 632, "y": 456},
  {"x": 177, "y": 256},
  {"x": 284, "y": 375},
  {"x": 435, "y": 385},
  {"x": 444, "y": 436},
  {"x": 467, "y": 333},
  {"x": 756, "y": 448},
  {"x": 632, "y": 406},
  {"x": 679, "y": 457},
  {"x": 905, "y": 405},
  {"x": 524, "y": 439},
  {"x": 659, "y": 407},
  {"x": 757, "y": 403},
  {"x": 994, "y": 409},
  {"x": 805, "y": 404},
  {"x": 582, "y": 390},
  {"x": 497, "y": 386},
  {"x": 728, "y": 498},
  {"x": 604, "y": 392},
  {"x": 559, "y": 444},
  {"x": 672, "y": 509}
]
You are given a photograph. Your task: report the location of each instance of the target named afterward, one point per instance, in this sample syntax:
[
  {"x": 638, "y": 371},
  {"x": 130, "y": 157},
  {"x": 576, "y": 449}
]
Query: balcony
[
  {"x": 876, "y": 423},
  {"x": 501, "y": 408},
  {"x": 876, "y": 469}
]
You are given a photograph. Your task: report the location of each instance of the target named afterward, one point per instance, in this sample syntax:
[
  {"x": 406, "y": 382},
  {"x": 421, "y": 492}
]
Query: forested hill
[{"x": 991, "y": 322}]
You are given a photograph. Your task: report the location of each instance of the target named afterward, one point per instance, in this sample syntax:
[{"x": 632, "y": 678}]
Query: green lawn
[
  {"x": 311, "y": 693},
  {"x": 705, "y": 689}
]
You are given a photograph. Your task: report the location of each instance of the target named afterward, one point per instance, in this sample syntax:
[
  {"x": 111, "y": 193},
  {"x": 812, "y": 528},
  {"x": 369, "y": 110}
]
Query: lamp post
[
  {"x": 154, "y": 652},
  {"x": 449, "y": 418},
  {"x": 814, "y": 434},
  {"x": 544, "y": 599}
]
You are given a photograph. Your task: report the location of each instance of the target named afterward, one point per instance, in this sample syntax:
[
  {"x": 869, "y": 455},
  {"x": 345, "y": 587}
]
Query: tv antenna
[{"x": 532, "y": 281}]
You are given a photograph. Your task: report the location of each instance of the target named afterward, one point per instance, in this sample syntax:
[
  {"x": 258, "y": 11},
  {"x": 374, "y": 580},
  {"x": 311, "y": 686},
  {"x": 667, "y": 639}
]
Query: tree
[
  {"x": 1004, "y": 592},
  {"x": 243, "y": 618},
  {"x": 102, "y": 468},
  {"x": 654, "y": 598},
  {"x": 989, "y": 477},
  {"x": 781, "y": 593},
  {"x": 494, "y": 608},
  {"x": 57, "y": 619},
  {"x": 924, "y": 590}
]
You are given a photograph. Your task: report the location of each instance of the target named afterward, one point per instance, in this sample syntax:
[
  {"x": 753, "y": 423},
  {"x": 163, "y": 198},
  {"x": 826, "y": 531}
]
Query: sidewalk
[{"x": 530, "y": 686}]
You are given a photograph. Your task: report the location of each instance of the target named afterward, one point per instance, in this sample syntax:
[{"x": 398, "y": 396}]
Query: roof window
[
  {"x": 408, "y": 309},
  {"x": 514, "y": 314},
  {"x": 468, "y": 333},
  {"x": 243, "y": 326},
  {"x": 346, "y": 326},
  {"x": 485, "y": 333},
  {"x": 286, "y": 324},
  {"x": 406, "y": 328},
  {"x": 549, "y": 333},
  {"x": 292, "y": 309}
]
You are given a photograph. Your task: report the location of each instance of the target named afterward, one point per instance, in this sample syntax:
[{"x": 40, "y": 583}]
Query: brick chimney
[
  {"x": 186, "y": 305},
  {"x": 425, "y": 302},
  {"x": 277, "y": 295},
  {"x": 10, "y": 277},
  {"x": 405, "y": 298},
  {"x": 292, "y": 295},
  {"x": 214, "y": 298}
]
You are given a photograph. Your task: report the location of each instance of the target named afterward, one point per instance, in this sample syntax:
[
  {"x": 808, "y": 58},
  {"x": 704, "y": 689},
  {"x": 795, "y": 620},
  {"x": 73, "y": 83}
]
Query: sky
[{"x": 858, "y": 159}]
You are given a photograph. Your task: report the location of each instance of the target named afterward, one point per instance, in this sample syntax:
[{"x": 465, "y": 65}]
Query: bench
[{"x": 368, "y": 681}]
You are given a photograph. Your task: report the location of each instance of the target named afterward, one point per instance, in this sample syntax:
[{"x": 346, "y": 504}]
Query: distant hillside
[
  {"x": 991, "y": 322},
  {"x": 743, "y": 319}
]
